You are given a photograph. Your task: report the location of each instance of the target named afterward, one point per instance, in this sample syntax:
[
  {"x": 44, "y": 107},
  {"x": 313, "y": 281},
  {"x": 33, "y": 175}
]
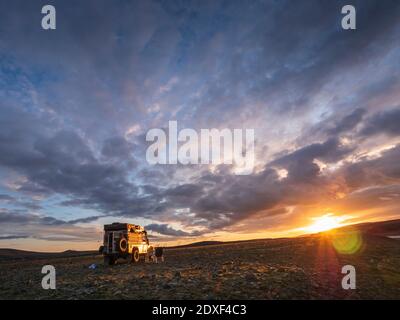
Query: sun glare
[{"x": 324, "y": 223}]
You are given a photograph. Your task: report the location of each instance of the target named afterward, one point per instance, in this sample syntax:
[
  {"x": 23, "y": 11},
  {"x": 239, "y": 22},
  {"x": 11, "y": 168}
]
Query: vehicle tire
[
  {"x": 135, "y": 255},
  {"x": 109, "y": 261},
  {"x": 123, "y": 245},
  {"x": 101, "y": 249}
]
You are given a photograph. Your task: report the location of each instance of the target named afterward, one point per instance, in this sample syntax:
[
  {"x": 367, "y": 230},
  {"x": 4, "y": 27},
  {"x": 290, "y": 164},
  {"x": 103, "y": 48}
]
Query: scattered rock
[
  {"x": 250, "y": 277},
  {"x": 166, "y": 286},
  {"x": 237, "y": 272}
]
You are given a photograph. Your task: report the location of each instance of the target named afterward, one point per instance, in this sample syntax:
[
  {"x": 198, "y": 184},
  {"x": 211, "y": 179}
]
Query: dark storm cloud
[
  {"x": 6, "y": 197},
  {"x": 84, "y": 220},
  {"x": 15, "y": 202},
  {"x": 234, "y": 198},
  {"x": 24, "y": 217},
  {"x": 31, "y": 188},
  {"x": 64, "y": 164},
  {"x": 372, "y": 198},
  {"x": 20, "y": 217},
  {"x": 20, "y": 224},
  {"x": 71, "y": 99},
  {"x": 330, "y": 151},
  {"x": 30, "y": 205},
  {"x": 10, "y": 237},
  {"x": 168, "y": 231},
  {"x": 369, "y": 172},
  {"x": 348, "y": 123},
  {"x": 196, "y": 39},
  {"x": 218, "y": 200},
  {"x": 186, "y": 190},
  {"x": 310, "y": 52},
  {"x": 118, "y": 148},
  {"x": 231, "y": 199},
  {"x": 300, "y": 163},
  {"x": 387, "y": 122}
]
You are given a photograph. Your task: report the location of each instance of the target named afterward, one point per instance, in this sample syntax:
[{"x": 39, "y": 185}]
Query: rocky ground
[{"x": 296, "y": 268}]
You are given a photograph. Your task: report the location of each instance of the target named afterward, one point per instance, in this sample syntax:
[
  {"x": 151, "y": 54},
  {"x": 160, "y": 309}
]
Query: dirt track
[{"x": 298, "y": 268}]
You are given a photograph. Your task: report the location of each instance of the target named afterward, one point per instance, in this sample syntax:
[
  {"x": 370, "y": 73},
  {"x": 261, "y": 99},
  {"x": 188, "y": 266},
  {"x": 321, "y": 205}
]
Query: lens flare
[{"x": 347, "y": 242}]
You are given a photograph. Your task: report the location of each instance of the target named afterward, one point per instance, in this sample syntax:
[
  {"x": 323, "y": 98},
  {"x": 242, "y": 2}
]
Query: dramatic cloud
[
  {"x": 76, "y": 104},
  {"x": 6, "y": 197},
  {"x": 383, "y": 122},
  {"x": 13, "y": 237},
  {"x": 21, "y": 225},
  {"x": 349, "y": 122},
  {"x": 166, "y": 230}
]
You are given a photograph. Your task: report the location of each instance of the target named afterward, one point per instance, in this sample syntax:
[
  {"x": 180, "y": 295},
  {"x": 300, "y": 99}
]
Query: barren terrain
[{"x": 296, "y": 268}]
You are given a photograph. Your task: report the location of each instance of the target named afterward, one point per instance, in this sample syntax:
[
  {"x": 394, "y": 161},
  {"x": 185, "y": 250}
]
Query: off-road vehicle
[{"x": 125, "y": 240}]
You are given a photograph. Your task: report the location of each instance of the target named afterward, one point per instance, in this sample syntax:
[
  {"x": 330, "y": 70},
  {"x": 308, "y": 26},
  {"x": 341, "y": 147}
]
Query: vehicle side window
[{"x": 144, "y": 238}]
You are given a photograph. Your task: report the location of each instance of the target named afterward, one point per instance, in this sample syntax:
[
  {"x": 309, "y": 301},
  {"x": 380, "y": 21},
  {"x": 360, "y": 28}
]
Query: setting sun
[{"x": 325, "y": 223}]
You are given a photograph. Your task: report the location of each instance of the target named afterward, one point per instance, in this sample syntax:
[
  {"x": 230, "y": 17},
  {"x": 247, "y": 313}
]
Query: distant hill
[
  {"x": 14, "y": 254},
  {"x": 381, "y": 228},
  {"x": 390, "y": 228},
  {"x": 387, "y": 228},
  {"x": 198, "y": 244}
]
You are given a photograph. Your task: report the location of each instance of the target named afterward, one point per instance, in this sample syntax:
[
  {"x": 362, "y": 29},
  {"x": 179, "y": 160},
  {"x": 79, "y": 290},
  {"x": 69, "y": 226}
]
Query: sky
[{"x": 77, "y": 102}]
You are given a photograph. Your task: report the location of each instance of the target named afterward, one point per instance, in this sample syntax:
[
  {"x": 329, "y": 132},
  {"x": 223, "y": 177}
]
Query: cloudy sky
[{"x": 76, "y": 104}]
